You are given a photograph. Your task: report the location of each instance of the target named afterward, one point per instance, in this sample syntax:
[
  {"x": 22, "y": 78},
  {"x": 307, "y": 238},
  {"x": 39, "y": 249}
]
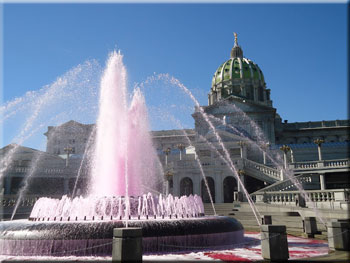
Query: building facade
[{"x": 239, "y": 134}]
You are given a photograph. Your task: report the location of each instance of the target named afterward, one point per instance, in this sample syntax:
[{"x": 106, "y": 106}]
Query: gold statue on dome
[{"x": 236, "y": 42}]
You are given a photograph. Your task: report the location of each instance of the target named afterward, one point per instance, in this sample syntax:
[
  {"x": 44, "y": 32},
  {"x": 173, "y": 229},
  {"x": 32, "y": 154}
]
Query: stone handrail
[
  {"x": 285, "y": 197},
  {"x": 268, "y": 171},
  {"x": 336, "y": 163},
  {"x": 341, "y": 163},
  {"x": 287, "y": 184}
]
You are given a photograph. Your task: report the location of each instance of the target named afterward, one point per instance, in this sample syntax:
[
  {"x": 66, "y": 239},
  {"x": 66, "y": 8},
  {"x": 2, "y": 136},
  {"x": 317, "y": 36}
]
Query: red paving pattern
[{"x": 298, "y": 248}]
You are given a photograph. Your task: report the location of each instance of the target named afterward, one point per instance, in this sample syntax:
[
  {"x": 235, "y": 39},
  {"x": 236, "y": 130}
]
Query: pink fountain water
[
  {"x": 124, "y": 168},
  {"x": 123, "y": 142},
  {"x": 124, "y": 165}
]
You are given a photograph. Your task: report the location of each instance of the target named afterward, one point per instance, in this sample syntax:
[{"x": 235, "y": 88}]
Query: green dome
[
  {"x": 237, "y": 69},
  {"x": 239, "y": 77}
]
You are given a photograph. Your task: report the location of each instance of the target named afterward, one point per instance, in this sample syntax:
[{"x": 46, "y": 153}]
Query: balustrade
[
  {"x": 318, "y": 196},
  {"x": 262, "y": 168},
  {"x": 321, "y": 164}
]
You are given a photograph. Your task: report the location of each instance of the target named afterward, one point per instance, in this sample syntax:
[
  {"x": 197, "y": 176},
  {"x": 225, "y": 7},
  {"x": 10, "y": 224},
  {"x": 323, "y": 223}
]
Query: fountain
[{"x": 124, "y": 161}]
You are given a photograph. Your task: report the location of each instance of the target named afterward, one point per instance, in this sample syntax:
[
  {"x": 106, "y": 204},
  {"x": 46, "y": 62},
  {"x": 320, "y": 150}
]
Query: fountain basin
[{"x": 94, "y": 238}]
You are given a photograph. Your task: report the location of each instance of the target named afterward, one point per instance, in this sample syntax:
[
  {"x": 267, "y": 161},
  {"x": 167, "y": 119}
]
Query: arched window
[
  {"x": 186, "y": 186},
  {"x": 204, "y": 190},
  {"x": 229, "y": 185}
]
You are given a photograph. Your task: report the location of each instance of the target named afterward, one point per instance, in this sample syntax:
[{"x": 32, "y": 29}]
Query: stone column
[
  {"x": 322, "y": 182},
  {"x": 66, "y": 185},
  {"x": 264, "y": 148},
  {"x": 239, "y": 186},
  {"x": 168, "y": 177},
  {"x": 7, "y": 190},
  {"x": 68, "y": 151},
  {"x": 176, "y": 185},
  {"x": 319, "y": 143},
  {"x": 264, "y": 157},
  {"x": 218, "y": 189},
  {"x": 197, "y": 180},
  {"x": 291, "y": 156}
]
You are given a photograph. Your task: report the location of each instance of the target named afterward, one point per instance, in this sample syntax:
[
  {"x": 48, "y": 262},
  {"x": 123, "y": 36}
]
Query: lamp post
[
  {"x": 68, "y": 151},
  {"x": 166, "y": 151},
  {"x": 319, "y": 143},
  {"x": 168, "y": 178},
  {"x": 167, "y": 174},
  {"x": 264, "y": 147},
  {"x": 241, "y": 146},
  {"x": 285, "y": 149},
  {"x": 181, "y": 147}
]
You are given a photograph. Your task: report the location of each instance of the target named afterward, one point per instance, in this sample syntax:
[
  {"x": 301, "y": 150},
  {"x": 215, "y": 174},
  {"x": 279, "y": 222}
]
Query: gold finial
[{"x": 236, "y": 42}]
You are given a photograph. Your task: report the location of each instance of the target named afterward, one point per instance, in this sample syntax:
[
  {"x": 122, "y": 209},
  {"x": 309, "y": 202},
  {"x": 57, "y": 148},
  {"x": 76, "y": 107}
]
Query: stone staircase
[
  {"x": 261, "y": 172},
  {"x": 288, "y": 184},
  {"x": 280, "y": 216}
]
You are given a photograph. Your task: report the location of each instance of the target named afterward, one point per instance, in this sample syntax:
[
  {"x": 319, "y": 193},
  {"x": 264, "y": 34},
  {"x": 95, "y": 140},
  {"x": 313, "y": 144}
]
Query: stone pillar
[
  {"x": 176, "y": 185},
  {"x": 197, "y": 181},
  {"x": 240, "y": 194},
  {"x": 8, "y": 180},
  {"x": 319, "y": 153},
  {"x": 322, "y": 182},
  {"x": 66, "y": 185},
  {"x": 310, "y": 226},
  {"x": 264, "y": 147},
  {"x": 338, "y": 235},
  {"x": 291, "y": 156},
  {"x": 319, "y": 143},
  {"x": 282, "y": 175},
  {"x": 274, "y": 244},
  {"x": 127, "y": 244},
  {"x": 264, "y": 157},
  {"x": 285, "y": 161},
  {"x": 218, "y": 189}
]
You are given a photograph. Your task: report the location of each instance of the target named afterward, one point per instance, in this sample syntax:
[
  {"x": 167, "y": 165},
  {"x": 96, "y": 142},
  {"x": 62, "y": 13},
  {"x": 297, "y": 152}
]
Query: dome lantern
[{"x": 236, "y": 51}]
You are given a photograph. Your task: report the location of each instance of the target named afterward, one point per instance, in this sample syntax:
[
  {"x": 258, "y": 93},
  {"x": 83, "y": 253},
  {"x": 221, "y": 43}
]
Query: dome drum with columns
[{"x": 239, "y": 77}]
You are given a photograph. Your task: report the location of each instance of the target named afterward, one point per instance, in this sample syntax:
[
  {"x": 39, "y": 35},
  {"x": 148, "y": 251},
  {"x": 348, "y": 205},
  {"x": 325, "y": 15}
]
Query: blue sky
[{"x": 301, "y": 48}]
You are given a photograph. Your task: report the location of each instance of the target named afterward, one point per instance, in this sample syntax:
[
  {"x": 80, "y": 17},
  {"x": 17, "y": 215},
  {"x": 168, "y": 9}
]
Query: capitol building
[{"x": 265, "y": 149}]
